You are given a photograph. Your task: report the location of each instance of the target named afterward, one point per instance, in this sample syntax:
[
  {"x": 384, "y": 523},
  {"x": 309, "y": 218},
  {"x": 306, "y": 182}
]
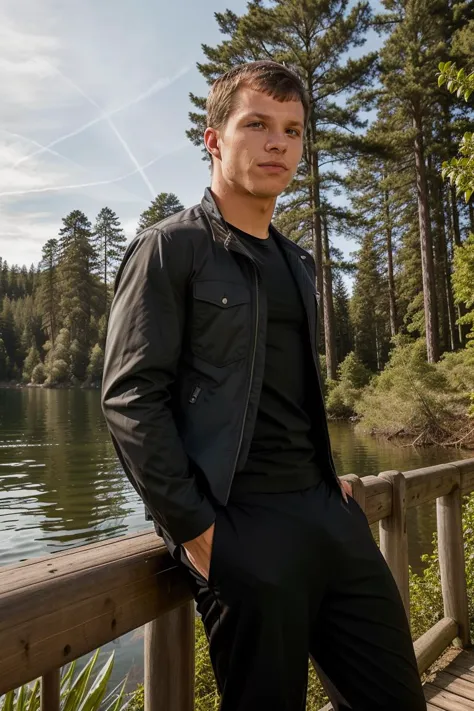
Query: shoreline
[
  {"x": 401, "y": 438},
  {"x": 13, "y": 385}
]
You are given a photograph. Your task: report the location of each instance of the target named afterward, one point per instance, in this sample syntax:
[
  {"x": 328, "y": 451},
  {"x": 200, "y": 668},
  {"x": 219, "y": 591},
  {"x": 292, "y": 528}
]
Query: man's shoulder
[{"x": 182, "y": 224}]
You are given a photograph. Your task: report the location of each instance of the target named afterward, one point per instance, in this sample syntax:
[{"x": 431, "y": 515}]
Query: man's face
[{"x": 261, "y": 144}]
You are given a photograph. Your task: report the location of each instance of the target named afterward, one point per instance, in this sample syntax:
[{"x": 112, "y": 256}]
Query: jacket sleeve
[{"x": 142, "y": 351}]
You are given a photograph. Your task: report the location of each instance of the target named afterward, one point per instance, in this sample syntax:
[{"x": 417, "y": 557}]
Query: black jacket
[{"x": 184, "y": 363}]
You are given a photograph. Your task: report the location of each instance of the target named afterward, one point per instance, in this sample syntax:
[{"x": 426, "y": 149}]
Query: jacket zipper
[
  {"x": 243, "y": 250},
  {"x": 195, "y": 394},
  {"x": 257, "y": 319}
]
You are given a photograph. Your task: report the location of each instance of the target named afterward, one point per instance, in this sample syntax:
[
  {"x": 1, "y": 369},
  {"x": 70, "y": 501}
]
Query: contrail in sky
[
  {"x": 40, "y": 145},
  {"x": 157, "y": 86},
  {"x": 57, "y": 188},
  {"x": 113, "y": 128}
]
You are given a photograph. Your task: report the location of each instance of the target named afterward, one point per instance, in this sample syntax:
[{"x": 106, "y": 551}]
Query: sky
[{"x": 94, "y": 108}]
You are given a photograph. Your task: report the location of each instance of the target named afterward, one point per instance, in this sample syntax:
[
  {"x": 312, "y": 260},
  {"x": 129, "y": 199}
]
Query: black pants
[{"x": 298, "y": 574}]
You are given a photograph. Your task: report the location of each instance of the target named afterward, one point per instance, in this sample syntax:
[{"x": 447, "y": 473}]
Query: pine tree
[
  {"x": 109, "y": 241},
  {"x": 369, "y": 307},
  {"x": 163, "y": 206},
  {"x": 342, "y": 318},
  {"x": 31, "y": 361},
  {"x": 49, "y": 289},
  {"x": 310, "y": 36},
  {"x": 78, "y": 261},
  {"x": 416, "y": 44},
  {"x": 10, "y": 338}
]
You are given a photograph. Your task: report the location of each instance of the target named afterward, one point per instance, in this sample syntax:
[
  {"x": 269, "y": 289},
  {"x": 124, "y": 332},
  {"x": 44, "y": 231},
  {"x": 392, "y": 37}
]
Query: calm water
[{"x": 61, "y": 485}]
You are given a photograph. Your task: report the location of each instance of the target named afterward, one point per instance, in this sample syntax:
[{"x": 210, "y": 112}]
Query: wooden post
[
  {"x": 169, "y": 660},
  {"x": 451, "y": 562},
  {"x": 50, "y": 690},
  {"x": 358, "y": 488},
  {"x": 393, "y": 535}
]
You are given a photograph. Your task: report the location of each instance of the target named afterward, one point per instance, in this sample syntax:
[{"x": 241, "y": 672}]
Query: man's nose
[{"x": 277, "y": 141}]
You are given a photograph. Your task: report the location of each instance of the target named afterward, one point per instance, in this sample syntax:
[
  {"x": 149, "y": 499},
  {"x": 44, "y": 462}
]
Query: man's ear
[{"x": 211, "y": 141}]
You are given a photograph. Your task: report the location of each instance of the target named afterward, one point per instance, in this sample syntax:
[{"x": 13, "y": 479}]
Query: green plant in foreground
[
  {"x": 460, "y": 171},
  {"x": 78, "y": 692},
  {"x": 426, "y": 600}
]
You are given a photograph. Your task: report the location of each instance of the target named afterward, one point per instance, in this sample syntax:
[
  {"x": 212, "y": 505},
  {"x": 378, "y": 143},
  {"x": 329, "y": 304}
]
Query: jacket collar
[{"x": 224, "y": 236}]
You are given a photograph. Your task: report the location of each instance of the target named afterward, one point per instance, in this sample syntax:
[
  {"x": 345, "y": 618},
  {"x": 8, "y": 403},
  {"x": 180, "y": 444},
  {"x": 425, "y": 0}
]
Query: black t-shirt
[{"x": 282, "y": 453}]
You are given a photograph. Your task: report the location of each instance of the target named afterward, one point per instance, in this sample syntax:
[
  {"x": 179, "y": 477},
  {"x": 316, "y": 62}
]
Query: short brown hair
[{"x": 271, "y": 78}]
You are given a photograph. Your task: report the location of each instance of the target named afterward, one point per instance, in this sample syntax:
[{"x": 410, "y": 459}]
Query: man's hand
[
  {"x": 346, "y": 488},
  {"x": 199, "y": 551}
]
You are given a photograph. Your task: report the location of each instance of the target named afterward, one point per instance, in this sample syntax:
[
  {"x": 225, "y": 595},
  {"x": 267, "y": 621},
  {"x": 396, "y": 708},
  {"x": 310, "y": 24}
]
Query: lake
[{"x": 61, "y": 485}]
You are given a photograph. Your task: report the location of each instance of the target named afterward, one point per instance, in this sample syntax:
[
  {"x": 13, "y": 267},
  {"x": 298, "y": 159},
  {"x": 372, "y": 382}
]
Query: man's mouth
[{"x": 274, "y": 167}]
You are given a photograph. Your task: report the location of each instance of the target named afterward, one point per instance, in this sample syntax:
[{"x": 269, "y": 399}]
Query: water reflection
[{"x": 60, "y": 481}]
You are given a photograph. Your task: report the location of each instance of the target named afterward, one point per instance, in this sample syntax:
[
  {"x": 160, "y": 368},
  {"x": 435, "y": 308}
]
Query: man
[{"x": 213, "y": 398}]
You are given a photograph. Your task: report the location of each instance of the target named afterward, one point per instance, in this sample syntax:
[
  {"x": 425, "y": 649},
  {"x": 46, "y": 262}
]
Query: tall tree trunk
[
  {"x": 471, "y": 215},
  {"x": 441, "y": 257},
  {"x": 455, "y": 215},
  {"x": 453, "y": 211},
  {"x": 391, "y": 280},
  {"x": 316, "y": 214},
  {"x": 447, "y": 269},
  {"x": 426, "y": 243},
  {"x": 329, "y": 318}
]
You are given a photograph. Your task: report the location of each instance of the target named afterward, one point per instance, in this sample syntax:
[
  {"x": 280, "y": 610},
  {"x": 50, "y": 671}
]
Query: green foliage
[
  {"x": 79, "y": 360},
  {"x": 459, "y": 171},
  {"x": 109, "y": 242},
  {"x": 58, "y": 359},
  {"x": 39, "y": 374},
  {"x": 4, "y": 361},
  {"x": 96, "y": 363},
  {"x": 31, "y": 361},
  {"x": 463, "y": 280},
  {"x": 410, "y": 396},
  {"x": 163, "y": 206},
  {"x": 426, "y": 602},
  {"x": 79, "y": 692},
  {"x": 344, "y": 393}
]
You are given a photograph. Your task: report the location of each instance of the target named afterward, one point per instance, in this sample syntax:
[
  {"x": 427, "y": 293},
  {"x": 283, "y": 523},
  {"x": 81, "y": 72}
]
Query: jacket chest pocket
[{"x": 220, "y": 321}]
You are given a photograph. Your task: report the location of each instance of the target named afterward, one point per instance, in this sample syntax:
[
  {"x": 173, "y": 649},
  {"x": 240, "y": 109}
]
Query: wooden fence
[{"x": 58, "y": 608}]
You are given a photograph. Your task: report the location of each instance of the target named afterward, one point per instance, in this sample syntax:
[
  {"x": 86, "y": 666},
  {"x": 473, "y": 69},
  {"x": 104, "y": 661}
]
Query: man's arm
[{"x": 143, "y": 347}]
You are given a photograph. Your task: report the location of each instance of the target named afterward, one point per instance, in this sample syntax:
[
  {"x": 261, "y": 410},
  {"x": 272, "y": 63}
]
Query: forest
[{"x": 388, "y": 168}]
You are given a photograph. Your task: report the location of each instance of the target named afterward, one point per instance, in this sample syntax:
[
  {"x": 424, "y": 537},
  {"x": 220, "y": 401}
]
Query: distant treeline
[{"x": 53, "y": 316}]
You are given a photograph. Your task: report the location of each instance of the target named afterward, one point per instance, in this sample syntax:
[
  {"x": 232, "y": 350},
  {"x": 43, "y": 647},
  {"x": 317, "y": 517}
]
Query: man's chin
[{"x": 267, "y": 191}]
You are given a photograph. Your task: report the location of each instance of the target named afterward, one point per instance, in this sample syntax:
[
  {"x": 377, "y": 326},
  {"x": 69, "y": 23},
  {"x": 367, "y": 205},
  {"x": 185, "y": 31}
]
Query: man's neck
[{"x": 250, "y": 214}]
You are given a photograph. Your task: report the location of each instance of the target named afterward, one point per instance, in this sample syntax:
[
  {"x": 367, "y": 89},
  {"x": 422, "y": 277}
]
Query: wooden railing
[{"x": 58, "y": 608}]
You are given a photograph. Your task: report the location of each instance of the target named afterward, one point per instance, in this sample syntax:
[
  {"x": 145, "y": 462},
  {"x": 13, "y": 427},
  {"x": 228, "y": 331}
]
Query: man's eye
[
  {"x": 295, "y": 131},
  {"x": 255, "y": 123}
]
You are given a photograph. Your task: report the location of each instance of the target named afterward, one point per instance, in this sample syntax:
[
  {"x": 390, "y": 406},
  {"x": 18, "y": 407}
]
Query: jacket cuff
[{"x": 189, "y": 527}]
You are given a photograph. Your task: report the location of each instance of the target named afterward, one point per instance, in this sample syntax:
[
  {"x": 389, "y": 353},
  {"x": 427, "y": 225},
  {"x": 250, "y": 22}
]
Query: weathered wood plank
[
  {"x": 446, "y": 700},
  {"x": 358, "y": 489},
  {"x": 120, "y": 551},
  {"x": 429, "y": 646},
  {"x": 451, "y": 561},
  {"x": 169, "y": 661},
  {"x": 428, "y": 483},
  {"x": 51, "y": 690},
  {"x": 393, "y": 535},
  {"x": 74, "y": 610},
  {"x": 466, "y": 469},
  {"x": 456, "y": 685},
  {"x": 378, "y": 498},
  {"x": 464, "y": 662}
]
